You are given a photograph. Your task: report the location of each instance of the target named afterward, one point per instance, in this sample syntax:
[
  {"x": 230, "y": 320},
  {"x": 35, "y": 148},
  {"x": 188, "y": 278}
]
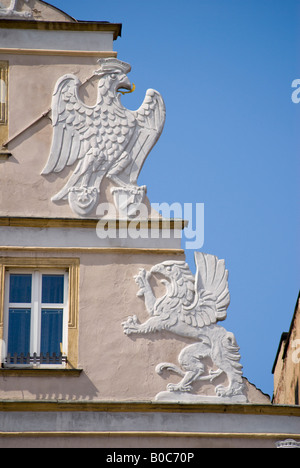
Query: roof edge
[
  {"x": 285, "y": 336},
  {"x": 145, "y": 406},
  {"x": 283, "y": 339},
  {"x": 92, "y": 26}
]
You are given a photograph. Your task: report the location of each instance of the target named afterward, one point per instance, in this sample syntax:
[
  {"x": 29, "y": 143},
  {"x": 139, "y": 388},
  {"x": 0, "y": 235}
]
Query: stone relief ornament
[
  {"x": 288, "y": 443},
  {"x": 12, "y": 10},
  {"x": 104, "y": 140},
  {"x": 191, "y": 308}
]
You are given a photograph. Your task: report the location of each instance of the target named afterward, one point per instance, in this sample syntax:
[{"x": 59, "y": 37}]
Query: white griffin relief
[
  {"x": 104, "y": 140},
  {"x": 12, "y": 10},
  {"x": 191, "y": 308}
]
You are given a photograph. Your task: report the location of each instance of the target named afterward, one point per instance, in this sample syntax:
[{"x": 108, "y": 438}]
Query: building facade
[
  {"x": 80, "y": 355},
  {"x": 286, "y": 367}
]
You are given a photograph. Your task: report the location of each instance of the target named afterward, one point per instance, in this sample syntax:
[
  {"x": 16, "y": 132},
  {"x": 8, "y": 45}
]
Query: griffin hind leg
[
  {"x": 185, "y": 384},
  {"x": 227, "y": 357},
  {"x": 193, "y": 368}
]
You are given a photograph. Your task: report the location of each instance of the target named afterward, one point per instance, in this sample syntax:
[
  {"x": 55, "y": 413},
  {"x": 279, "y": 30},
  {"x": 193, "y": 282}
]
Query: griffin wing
[{"x": 212, "y": 296}]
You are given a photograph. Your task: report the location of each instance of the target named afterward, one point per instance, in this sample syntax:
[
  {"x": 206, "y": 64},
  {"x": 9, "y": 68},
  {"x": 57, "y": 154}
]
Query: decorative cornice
[
  {"x": 94, "y": 250},
  {"x": 154, "y": 223},
  {"x": 146, "y": 407},
  {"x": 63, "y": 53},
  {"x": 150, "y": 434},
  {"x": 91, "y": 26},
  {"x": 39, "y": 372}
]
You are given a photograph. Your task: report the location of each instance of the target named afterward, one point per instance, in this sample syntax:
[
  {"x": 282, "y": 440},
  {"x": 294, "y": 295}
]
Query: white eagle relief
[
  {"x": 191, "y": 308},
  {"x": 105, "y": 140}
]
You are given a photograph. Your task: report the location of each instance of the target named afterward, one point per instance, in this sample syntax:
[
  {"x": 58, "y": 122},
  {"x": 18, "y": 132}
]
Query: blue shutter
[
  {"x": 19, "y": 331},
  {"x": 51, "y": 331}
]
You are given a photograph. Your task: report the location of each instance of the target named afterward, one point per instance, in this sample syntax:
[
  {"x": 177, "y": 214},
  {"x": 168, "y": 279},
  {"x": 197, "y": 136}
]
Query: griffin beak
[{"x": 156, "y": 269}]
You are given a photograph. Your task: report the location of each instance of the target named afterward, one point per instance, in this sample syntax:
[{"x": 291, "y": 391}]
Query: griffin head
[
  {"x": 180, "y": 281},
  {"x": 113, "y": 75},
  {"x": 170, "y": 269}
]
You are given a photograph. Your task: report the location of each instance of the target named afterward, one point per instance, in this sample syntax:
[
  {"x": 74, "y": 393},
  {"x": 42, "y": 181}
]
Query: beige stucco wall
[
  {"x": 24, "y": 191},
  {"x": 114, "y": 366}
]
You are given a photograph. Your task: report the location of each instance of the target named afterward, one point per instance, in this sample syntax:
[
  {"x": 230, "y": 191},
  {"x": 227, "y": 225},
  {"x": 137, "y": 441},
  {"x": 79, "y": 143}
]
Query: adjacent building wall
[{"x": 287, "y": 364}]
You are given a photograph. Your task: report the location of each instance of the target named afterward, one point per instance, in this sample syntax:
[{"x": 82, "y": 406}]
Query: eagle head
[{"x": 113, "y": 74}]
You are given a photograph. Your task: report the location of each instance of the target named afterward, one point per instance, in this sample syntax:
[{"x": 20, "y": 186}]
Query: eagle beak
[
  {"x": 126, "y": 84},
  {"x": 128, "y": 92}
]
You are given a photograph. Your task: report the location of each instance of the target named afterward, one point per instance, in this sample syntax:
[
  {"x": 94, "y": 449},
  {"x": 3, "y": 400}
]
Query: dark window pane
[
  {"x": 19, "y": 331},
  {"x": 53, "y": 289},
  {"x": 51, "y": 333},
  {"x": 20, "y": 289}
]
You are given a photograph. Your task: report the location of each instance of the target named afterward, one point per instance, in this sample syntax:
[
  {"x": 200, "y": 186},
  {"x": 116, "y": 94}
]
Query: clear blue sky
[{"x": 231, "y": 141}]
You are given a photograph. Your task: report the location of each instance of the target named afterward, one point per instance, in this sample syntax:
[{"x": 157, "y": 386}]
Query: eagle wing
[
  {"x": 212, "y": 296},
  {"x": 73, "y": 125},
  {"x": 150, "y": 119}
]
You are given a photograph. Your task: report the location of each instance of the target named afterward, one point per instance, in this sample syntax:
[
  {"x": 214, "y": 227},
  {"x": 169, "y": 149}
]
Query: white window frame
[
  {"x": 3, "y": 92},
  {"x": 36, "y": 307}
]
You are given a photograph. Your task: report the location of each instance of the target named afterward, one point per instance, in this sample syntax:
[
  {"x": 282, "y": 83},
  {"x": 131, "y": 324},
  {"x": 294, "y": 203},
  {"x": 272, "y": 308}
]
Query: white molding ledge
[
  {"x": 92, "y": 41},
  {"x": 87, "y": 238}
]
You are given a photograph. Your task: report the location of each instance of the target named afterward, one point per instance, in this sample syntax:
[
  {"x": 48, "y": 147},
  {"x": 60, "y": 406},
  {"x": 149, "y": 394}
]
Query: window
[
  {"x": 3, "y": 92},
  {"x": 36, "y": 296},
  {"x": 297, "y": 402},
  {"x": 36, "y": 317}
]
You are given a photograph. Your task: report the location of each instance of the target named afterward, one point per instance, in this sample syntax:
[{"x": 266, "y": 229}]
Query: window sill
[
  {"x": 39, "y": 372},
  {"x": 4, "y": 155}
]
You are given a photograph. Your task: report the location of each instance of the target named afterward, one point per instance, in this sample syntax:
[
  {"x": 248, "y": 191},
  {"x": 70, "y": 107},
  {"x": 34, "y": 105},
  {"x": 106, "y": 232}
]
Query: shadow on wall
[{"x": 48, "y": 388}]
